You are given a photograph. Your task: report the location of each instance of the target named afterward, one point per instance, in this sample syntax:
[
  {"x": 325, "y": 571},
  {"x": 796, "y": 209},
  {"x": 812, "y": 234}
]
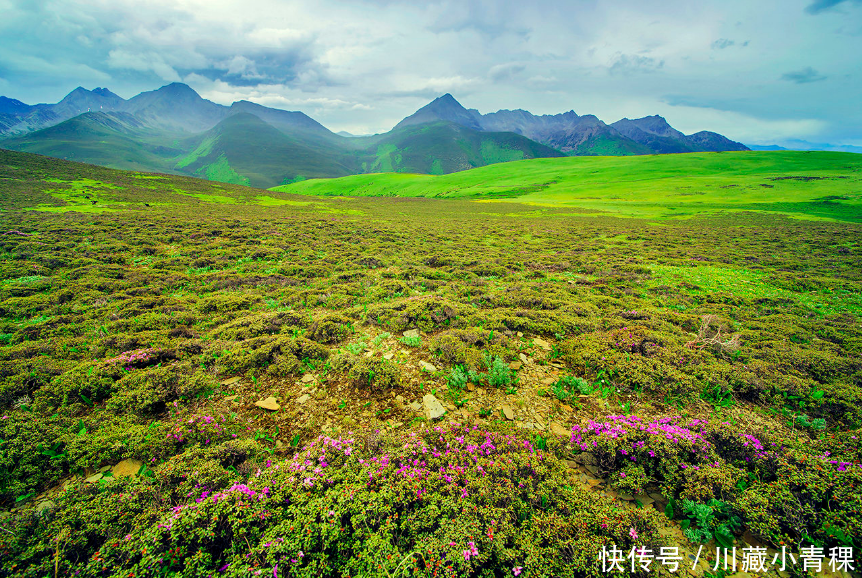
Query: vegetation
[{"x": 201, "y": 378}]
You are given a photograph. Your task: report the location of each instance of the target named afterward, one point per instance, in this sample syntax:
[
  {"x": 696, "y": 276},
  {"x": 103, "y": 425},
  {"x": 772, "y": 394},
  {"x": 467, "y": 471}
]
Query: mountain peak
[{"x": 444, "y": 108}]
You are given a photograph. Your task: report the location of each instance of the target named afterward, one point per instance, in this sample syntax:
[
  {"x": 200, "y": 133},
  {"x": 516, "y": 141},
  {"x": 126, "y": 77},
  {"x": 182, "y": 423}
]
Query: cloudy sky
[{"x": 757, "y": 71}]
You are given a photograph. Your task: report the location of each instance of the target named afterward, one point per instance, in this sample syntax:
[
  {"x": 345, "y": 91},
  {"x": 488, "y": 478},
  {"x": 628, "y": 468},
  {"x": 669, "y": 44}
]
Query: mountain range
[{"x": 174, "y": 130}]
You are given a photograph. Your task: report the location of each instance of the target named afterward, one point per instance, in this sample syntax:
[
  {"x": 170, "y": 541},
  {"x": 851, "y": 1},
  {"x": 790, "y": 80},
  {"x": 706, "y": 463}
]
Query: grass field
[
  {"x": 210, "y": 379},
  {"x": 814, "y": 185}
]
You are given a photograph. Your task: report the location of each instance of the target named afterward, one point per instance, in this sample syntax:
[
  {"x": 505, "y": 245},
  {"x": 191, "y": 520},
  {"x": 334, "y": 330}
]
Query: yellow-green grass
[{"x": 811, "y": 185}]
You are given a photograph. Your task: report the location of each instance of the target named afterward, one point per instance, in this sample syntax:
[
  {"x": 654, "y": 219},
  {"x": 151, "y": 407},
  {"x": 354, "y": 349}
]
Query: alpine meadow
[{"x": 248, "y": 329}]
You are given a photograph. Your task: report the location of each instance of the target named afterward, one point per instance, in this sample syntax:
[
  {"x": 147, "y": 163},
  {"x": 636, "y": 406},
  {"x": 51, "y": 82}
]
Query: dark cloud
[
  {"x": 819, "y": 6},
  {"x": 803, "y": 76}
]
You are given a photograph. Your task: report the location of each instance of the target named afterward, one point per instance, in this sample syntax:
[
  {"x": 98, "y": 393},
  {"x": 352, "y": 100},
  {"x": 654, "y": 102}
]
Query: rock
[
  {"x": 44, "y": 508},
  {"x": 542, "y": 343},
  {"x": 626, "y": 497},
  {"x": 515, "y": 365},
  {"x": 231, "y": 397},
  {"x": 657, "y": 497},
  {"x": 559, "y": 430},
  {"x": 522, "y": 357},
  {"x": 404, "y": 351},
  {"x": 307, "y": 378},
  {"x": 520, "y": 334},
  {"x": 127, "y": 468},
  {"x": 427, "y": 366},
  {"x": 548, "y": 381},
  {"x": 586, "y": 458},
  {"x": 279, "y": 444},
  {"x": 415, "y": 406},
  {"x": 508, "y": 412},
  {"x": 94, "y": 478},
  {"x": 644, "y": 500},
  {"x": 471, "y": 386},
  {"x": 369, "y": 353},
  {"x": 593, "y": 482},
  {"x": 230, "y": 381},
  {"x": 104, "y": 468},
  {"x": 268, "y": 403},
  {"x": 411, "y": 333},
  {"x": 388, "y": 356},
  {"x": 749, "y": 539},
  {"x": 433, "y": 408},
  {"x": 592, "y": 469},
  {"x": 568, "y": 408},
  {"x": 303, "y": 398}
]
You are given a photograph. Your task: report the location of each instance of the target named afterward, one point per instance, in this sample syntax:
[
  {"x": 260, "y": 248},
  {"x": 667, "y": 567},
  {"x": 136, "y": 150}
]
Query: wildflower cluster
[
  {"x": 442, "y": 501},
  {"x": 136, "y": 358}
]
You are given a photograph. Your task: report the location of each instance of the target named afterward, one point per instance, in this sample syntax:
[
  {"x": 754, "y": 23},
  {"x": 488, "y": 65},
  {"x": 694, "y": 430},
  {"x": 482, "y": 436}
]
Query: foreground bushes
[{"x": 440, "y": 502}]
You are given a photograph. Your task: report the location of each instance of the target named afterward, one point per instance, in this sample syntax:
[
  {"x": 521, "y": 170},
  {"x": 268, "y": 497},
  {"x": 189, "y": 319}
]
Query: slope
[
  {"x": 113, "y": 139},
  {"x": 446, "y": 147},
  {"x": 809, "y": 184},
  {"x": 243, "y": 149}
]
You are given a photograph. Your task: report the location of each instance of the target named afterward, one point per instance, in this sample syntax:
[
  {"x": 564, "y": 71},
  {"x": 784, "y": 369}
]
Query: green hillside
[
  {"x": 812, "y": 184},
  {"x": 243, "y": 149},
  {"x": 113, "y": 140},
  {"x": 444, "y": 147}
]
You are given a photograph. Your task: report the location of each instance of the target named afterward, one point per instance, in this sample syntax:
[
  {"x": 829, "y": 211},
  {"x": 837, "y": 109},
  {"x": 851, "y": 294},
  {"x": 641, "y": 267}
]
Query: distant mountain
[
  {"x": 804, "y": 145},
  {"x": 573, "y": 134},
  {"x": 173, "y": 129},
  {"x": 112, "y": 139},
  {"x": 243, "y": 149},
  {"x": 444, "y": 108},
  {"x": 445, "y": 147}
]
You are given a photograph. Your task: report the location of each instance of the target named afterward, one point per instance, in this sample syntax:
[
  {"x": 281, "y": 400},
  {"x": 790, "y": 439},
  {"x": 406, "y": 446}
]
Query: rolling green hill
[
  {"x": 116, "y": 140},
  {"x": 814, "y": 184},
  {"x": 445, "y": 147},
  {"x": 243, "y": 149}
]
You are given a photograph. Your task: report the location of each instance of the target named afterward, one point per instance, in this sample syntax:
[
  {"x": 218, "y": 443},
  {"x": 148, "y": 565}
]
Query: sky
[{"x": 757, "y": 71}]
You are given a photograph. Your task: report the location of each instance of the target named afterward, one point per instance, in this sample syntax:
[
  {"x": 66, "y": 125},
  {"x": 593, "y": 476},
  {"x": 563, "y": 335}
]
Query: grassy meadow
[
  {"x": 206, "y": 379},
  {"x": 811, "y": 185}
]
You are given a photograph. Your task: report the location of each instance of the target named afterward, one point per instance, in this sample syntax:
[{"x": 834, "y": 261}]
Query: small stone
[
  {"x": 520, "y": 334},
  {"x": 522, "y": 357},
  {"x": 644, "y": 500},
  {"x": 279, "y": 444},
  {"x": 388, "y": 356},
  {"x": 127, "y": 468},
  {"x": 542, "y": 343},
  {"x": 231, "y": 397},
  {"x": 471, "y": 387},
  {"x": 433, "y": 408},
  {"x": 230, "y": 381},
  {"x": 594, "y": 482},
  {"x": 411, "y": 333},
  {"x": 104, "y": 468},
  {"x": 508, "y": 412},
  {"x": 427, "y": 366},
  {"x": 94, "y": 478},
  {"x": 268, "y": 403},
  {"x": 303, "y": 398},
  {"x": 559, "y": 430},
  {"x": 657, "y": 497},
  {"x": 369, "y": 353},
  {"x": 586, "y": 458},
  {"x": 548, "y": 381},
  {"x": 44, "y": 508},
  {"x": 404, "y": 351},
  {"x": 415, "y": 406},
  {"x": 319, "y": 394},
  {"x": 592, "y": 469},
  {"x": 307, "y": 378},
  {"x": 515, "y": 365},
  {"x": 626, "y": 497},
  {"x": 567, "y": 408}
]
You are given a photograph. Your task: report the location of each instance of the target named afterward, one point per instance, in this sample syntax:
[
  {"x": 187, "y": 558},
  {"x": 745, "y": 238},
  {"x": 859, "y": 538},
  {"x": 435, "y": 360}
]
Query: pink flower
[
  {"x": 517, "y": 570},
  {"x": 633, "y": 533}
]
